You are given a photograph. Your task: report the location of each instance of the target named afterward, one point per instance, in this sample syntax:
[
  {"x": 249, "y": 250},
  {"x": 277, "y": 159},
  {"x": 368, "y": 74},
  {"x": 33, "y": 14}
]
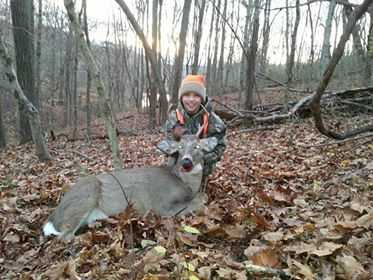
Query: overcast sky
[{"x": 103, "y": 11}]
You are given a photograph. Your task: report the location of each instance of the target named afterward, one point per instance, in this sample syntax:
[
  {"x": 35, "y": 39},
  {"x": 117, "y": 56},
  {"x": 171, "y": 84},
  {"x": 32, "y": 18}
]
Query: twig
[
  {"x": 252, "y": 269},
  {"x": 258, "y": 129},
  {"x": 229, "y": 108},
  {"x": 82, "y": 155},
  {"x": 281, "y": 83},
  {"x": 337, "y": 142}
]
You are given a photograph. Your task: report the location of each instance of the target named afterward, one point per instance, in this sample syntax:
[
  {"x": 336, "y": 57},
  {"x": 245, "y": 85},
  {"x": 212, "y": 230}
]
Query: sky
[{"x": 97, "y": 11}]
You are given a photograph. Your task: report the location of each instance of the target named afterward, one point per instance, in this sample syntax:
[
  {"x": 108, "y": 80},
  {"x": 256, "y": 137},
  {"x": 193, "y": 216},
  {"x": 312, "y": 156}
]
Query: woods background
[{"x": 243, "y": 48}]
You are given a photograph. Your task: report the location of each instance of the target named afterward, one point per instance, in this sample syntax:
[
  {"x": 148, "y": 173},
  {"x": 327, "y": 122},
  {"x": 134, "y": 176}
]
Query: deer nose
[{"x": 187, "y": 163}]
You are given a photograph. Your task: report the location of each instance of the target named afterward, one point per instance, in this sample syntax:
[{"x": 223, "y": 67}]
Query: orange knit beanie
[{"x": 193, "y": 83}]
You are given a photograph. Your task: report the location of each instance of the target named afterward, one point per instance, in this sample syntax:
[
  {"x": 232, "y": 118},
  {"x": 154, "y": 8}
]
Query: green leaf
[
  {"x": 191, "y": 230},
  {"x": 160, "y": 251}
]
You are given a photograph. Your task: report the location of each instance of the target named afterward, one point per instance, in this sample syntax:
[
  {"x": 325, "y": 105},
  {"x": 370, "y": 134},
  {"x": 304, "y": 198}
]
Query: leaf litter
[{"x": 275, "y": 201}]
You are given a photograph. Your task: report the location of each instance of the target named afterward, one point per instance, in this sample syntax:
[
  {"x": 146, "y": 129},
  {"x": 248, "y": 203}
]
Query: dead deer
[{"x": 167, "y": 190}]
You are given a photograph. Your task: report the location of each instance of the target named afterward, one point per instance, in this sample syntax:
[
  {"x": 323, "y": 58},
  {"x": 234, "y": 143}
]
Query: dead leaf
[
  {"x": 267, "y": 257},
  {"x": 305, "y": 270},
  {"x": 352, "y": 269},
  {"x": 326, "y": 249},
  {"x": 273, "y": 236},
  {"x": 65, "y": 270},
  {"x": 365, "y": 221}
]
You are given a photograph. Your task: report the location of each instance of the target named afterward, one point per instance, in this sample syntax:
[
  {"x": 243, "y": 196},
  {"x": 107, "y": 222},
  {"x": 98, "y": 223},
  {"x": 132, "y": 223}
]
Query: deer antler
[{"x": 200, "y": 129}]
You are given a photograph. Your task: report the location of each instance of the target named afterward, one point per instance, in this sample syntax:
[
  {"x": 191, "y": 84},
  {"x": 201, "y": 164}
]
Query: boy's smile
[{"x": 191, "y": 101}]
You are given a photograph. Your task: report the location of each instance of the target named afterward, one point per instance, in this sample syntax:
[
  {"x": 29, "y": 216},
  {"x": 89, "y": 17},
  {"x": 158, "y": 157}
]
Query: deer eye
[
  {"x": 180, "y": 146},
  {"x": 197, "y": 147}
]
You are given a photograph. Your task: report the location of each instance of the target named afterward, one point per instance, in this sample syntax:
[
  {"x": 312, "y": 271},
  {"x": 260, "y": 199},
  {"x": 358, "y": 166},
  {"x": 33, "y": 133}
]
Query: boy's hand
[{"x": 177, "y": 132}]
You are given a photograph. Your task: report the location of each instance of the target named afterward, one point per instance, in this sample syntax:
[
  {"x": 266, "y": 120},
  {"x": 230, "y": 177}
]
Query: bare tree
[
  {"x": 89, "y": 75},
  {"x": 148, "y": 50},
  {"x": 337, "y": 54},
  {"x": 38, "y": 51},
  {"x": 249, "y": 98},
  {"x": 9, "y": 82},
  {"x": 266, "y": 34},
  {"x": 23, "y": 30},
  {"x": 197, "y": 38},
  {"x": 290, "y": 62},
  {"x": 108, "y": 114},
  {"x": 2, "y": 127},
  {"x": 220, "y": 72},
  {"x": 153, "y": 86},
  {"x": 179, "y": 60},
  {"x": 325, "y": 50}
]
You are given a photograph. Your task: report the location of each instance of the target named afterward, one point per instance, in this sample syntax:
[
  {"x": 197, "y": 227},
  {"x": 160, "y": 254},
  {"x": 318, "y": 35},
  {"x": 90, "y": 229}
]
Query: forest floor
[{"x": 285, "y": 198}]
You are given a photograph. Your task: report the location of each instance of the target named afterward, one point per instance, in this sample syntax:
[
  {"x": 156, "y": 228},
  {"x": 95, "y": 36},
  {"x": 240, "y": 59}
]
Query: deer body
[{"x": 165, "y": 190}]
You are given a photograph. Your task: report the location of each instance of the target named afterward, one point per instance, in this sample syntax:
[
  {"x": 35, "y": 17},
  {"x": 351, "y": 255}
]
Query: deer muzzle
[{"x": 187, "y": 164}]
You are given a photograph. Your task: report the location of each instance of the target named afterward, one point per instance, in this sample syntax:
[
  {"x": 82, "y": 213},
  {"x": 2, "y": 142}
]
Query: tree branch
[{"x": 337, "y": 54}]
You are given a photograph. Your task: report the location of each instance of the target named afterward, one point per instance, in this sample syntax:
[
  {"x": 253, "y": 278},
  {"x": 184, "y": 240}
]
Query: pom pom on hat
[{"x": 193, "y": 83}]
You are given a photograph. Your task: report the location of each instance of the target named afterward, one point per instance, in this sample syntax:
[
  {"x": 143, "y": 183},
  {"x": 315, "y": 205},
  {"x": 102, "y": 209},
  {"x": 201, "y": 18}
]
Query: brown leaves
[{"x": 270, "y": 203}]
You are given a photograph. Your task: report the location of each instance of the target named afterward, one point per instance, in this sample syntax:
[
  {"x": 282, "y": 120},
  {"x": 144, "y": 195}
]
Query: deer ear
[
  {"x": 208, "y": 144},
  {"x": 168, "y": 147}
]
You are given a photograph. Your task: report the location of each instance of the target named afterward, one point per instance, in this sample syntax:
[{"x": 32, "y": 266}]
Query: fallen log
[{"x": 274, "y": 113}]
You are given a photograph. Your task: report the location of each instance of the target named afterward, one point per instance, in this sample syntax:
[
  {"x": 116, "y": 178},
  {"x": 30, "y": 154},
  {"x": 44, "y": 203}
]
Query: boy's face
[{"x": 191, "y": 101}]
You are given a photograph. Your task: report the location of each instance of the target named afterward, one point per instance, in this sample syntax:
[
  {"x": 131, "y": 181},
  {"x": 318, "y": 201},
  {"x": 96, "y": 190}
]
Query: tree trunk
[
  {"x": 11, "y": 83},
  {"x": 249, "y": 101},
  {"x": 208, "y": 62},
  {"x": 312, "y": 47},
  {"x": 368, "y": 72},
  {"x": 91, "y": 63},
  {"x": 328, "y": 73},
  {"x": 67, "y": 81},
  {"x": 243, "y": 66},
  {"x": 149, "y": 52},
  {"x": 179, "y": 60},
  {"x": 38, "y": 53},
  {"x": 2, "y": 127},
  {"x": 163, "y": 102},
  {"x": 89, "y": 75},
  {"x": 266, "y": 32},
  {"x": 325, "y": 50},
  {"x": 213, "y": 69},
  {"x": 75, "y": 90},
  {"x": 153, "y": 86},
  {"x": 358, "y": 47},
  {"x": 219, "y": 75},
  {"x": 290, "y": 64},
  {"x": 23, "y": 30},
  {"x": 198, "y": 35}
]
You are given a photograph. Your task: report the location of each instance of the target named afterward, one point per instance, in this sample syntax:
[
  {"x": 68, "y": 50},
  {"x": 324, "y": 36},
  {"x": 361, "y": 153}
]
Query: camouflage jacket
[{"x": 216, "y": 128}]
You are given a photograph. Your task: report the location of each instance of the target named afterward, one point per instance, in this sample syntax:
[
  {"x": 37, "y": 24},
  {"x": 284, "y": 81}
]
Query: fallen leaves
[{"x": 307, "y": 211}]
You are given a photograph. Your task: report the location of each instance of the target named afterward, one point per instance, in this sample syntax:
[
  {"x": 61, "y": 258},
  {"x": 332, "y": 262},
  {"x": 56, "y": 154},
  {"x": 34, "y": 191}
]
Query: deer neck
[{"x": 192, "y": 178}]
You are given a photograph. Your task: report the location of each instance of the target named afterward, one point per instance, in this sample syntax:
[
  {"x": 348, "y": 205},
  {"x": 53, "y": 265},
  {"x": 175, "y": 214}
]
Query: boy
[{"x": 194, "y": 110}]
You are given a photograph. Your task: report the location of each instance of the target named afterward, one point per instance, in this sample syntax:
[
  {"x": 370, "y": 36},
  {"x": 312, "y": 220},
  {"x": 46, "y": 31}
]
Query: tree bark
[
  {"x": 290, "y": 64},
  {"x": 266, "y": 33},
  {"x": 153, "y": 86},
  {"x": 89, "y": 75},
  {"x": 38, "y": 52},
  {"x": 328, "y": 73},
  {"x": 23, "y": 30},
  {"x": 2, "y": 127},
  {"x": 249, "y": 100},
  {"x": 179, "y": 60},
  {"x": 198, "y": 36},
  {"x": 9, "y": 82},
  {"x": 325, "y": 50},
  {"x": 91, "y": 63},
  {"x": 149, "y": 53},
  {"x": 219, "y": 75},
  {"x": 243, "y": 66}
]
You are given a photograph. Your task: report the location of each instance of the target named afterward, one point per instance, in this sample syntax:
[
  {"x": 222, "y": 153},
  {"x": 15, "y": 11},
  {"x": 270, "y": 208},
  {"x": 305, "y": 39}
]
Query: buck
[{"x": 166, "y": 190}]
